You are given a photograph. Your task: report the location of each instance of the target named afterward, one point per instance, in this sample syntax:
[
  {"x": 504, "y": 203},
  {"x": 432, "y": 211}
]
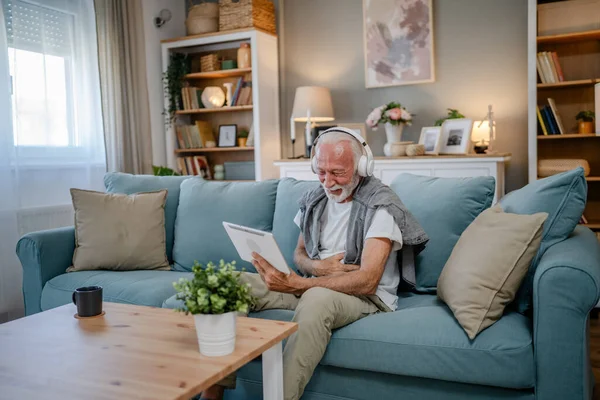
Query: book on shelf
[
  {"x": 541, "y": 124},
  {"x": 194, "y": 165},
  {"x": 561, "y": 127},
  {"x": 548, "y": 67},
  {"x": 549, "y": 119},
  {"x": 194, "y": 136}
]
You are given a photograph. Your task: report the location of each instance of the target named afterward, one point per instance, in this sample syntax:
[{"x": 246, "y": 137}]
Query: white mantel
[{"x": 447, "y": 166}]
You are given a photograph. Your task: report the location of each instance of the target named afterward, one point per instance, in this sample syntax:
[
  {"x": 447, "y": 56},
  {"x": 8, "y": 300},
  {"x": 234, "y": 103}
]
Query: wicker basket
[
  {"x": 556, "y": 166},
  {"x": 202, "y": 18},
  {"x": 209, "y": 63},
  {"x": 247, "y": 14}
]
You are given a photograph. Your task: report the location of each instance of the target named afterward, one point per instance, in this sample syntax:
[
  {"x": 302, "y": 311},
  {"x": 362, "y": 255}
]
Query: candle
[{"x": 292, "y": 129}]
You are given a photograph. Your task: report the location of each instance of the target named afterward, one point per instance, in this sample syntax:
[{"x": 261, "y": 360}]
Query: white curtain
[{"x": 51, "y": 134}]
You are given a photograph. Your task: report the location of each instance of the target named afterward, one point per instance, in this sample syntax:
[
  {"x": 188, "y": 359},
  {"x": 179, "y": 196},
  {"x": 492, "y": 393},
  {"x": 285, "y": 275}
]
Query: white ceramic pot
[
  {"x": 216, "y": 333},
  {"x": 393, "y": 134},
  {"x": 396, "y": 149}
]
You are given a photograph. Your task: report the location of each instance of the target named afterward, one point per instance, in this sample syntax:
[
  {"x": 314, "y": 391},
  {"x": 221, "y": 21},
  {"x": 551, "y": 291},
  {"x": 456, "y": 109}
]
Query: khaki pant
[{"x": 318, "y": 311}]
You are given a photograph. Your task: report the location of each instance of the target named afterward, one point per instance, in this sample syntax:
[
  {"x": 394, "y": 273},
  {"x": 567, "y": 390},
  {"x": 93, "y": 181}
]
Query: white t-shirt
[{"x": 334, "y": 229}]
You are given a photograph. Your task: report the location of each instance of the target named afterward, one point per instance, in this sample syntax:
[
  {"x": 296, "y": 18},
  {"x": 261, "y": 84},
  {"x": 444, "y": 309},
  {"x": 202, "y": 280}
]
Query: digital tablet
[{"x": 247, "y": 240}]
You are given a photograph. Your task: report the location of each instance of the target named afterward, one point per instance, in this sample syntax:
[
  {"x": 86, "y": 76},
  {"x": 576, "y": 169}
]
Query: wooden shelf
[
  {"x": 212, "y": 150},
  {"x": 592, "y": 178},
  {"x": 214, "y": 110},
  {"x": 215, "y": 35},
  {"x": 219, "y": 74},
  {"x": 567, "y": 84},
  {"x": 570, "y": 37},
  {"x": 569, "y": 136}
]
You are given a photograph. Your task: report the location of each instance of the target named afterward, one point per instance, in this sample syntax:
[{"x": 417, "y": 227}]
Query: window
[
  {"x": 50, "y": 92},
  {"x": 40, "y": 102}
]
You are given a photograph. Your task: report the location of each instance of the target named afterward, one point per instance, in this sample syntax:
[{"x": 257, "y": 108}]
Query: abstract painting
[{"x": 398, "y": 41}]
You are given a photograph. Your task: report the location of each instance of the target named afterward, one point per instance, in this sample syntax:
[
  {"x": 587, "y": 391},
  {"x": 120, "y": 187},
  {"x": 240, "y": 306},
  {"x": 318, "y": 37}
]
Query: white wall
[{"x": 174, "y": 28}]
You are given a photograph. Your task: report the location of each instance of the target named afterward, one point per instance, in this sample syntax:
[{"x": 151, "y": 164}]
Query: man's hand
[
  {"x": 333, "y": 265},
  {"x": 275, "y": 279}
]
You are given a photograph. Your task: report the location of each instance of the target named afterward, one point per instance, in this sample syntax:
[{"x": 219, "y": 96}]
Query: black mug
[{"x": 88, "y": 301}]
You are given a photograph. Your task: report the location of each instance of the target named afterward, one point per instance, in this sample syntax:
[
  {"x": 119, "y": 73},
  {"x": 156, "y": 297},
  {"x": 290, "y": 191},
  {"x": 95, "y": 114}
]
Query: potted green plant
[
  {"x": 586, "y": 121},
  {"x": 173, "y": 81},
  {"x": 214, "y": 297},
  {"x": 242, "y": 137},
  {"x": 452, "y": 114},
  {"x": 163, "y": 171}
]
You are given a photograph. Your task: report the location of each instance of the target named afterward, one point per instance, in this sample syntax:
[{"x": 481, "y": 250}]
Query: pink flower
[
  {"x": 394, "y": 114},
  {"x": 374, "y": 117}
]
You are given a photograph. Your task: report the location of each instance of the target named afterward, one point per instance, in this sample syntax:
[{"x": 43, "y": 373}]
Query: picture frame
[
  {"x": 359, "y": 128},
  {"x": 431, "y": 138},
  {"x": 456, "y": 136},
  {"x": 227, "y": 135},
  {"x": 398, "y": 42}
]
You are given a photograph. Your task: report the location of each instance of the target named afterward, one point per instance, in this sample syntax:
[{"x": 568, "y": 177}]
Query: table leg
[{"x": 272, "y": 366}]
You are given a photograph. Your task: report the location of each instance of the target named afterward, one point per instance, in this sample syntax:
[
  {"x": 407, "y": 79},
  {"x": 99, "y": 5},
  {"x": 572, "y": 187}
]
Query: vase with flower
[{"x": 393, "y": 116}]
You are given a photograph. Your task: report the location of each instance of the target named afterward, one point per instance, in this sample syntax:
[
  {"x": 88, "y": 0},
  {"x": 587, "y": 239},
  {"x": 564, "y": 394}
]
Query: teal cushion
[
  {"x": 423, "y": 339},
  {"x": 444, "y": 207},
  {"x": 116, "y": 182},
  {"x": 146, "y": 288},
  {"x": 204, "y": 206},
  {"x": 286, "y": 232},
  {"x": 563, "y": 197}
]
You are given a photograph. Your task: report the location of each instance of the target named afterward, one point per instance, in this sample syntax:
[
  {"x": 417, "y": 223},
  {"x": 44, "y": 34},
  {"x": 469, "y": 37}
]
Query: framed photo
[
  {"x": 227, "y": 135},
  {"x": 398, "y": 42},
  {"x": 431, "y": 139},
  {"x": 456, "y": 136},
  {"x": 354, "y": 126}
]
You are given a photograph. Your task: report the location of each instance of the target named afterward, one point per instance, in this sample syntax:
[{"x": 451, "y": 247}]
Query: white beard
[{"x": 346, "y": 190}]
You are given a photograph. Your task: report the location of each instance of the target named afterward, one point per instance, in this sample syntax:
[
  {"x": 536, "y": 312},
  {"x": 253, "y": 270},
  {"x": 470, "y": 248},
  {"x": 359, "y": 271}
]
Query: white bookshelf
[{"x": 264, "y": 111}]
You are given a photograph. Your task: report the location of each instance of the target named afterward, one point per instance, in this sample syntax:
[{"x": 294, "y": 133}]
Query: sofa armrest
[
  {"x": 566, "y": 287},
  {"x": 43, "y": 255}
]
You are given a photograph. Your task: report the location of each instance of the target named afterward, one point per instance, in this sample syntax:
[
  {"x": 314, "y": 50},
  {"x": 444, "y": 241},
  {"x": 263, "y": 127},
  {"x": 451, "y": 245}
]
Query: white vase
[
  {"x": 393, "y": 134},
  {"x": 216, "y": 333}
]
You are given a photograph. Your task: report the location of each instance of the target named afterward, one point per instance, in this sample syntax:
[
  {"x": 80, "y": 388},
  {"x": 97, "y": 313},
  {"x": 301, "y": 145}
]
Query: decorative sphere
[{"x": 213, "y": 97}]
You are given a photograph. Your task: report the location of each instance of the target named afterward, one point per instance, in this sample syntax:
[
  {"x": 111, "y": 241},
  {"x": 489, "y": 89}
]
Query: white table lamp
[{"x": 311, "y": 104}]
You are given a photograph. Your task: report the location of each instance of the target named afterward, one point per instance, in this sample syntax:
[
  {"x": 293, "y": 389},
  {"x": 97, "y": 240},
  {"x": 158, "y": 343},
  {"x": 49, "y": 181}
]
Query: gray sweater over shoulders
[{"x": 370, "y": 195}]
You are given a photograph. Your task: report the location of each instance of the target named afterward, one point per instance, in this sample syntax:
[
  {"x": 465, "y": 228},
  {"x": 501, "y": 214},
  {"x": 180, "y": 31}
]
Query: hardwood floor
[{"x": 595, "y": 353}]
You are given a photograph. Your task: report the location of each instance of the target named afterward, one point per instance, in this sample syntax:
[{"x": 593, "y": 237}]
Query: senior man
[{"x": 352, "y": 228}]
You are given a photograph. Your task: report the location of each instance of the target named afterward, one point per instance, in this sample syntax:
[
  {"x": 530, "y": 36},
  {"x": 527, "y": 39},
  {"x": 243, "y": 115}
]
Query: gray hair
[{"x": 337, "y": 138}]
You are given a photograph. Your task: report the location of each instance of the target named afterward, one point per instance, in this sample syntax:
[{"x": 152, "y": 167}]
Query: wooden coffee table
[{"x": 129, "y": 352}]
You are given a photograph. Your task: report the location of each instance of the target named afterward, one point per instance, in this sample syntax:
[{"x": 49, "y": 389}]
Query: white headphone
[{"x": 366, "y": 164}]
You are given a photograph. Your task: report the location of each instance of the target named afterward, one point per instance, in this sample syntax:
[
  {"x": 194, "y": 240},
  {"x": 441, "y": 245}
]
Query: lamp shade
[
  {"x": 315, "y": 99},
  {"x": 481, "y": 132}
]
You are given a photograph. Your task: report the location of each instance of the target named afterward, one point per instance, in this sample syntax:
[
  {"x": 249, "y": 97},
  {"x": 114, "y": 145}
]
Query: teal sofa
[{"x": 539, "y": 349}]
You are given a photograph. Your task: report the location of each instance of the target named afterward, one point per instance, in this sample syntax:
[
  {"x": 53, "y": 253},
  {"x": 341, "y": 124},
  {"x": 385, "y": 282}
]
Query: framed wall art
[{"x": 398, "y": 42}]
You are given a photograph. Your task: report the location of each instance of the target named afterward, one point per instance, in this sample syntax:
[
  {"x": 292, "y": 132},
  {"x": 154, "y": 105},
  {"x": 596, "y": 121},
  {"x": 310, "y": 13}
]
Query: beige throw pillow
[
  {"x": 487, "y": 266},
  {"x": 119, "y": 232}
]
